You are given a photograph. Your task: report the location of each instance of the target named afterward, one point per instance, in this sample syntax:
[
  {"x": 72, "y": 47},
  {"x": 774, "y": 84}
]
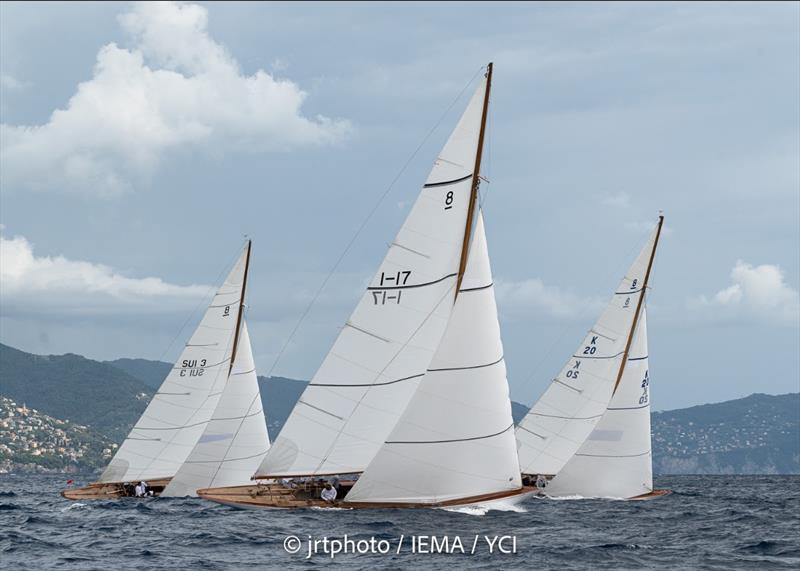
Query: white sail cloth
[
  {"x": 570, "y": 408},
  {"x": 235, "y": 440},
  {"x": 616, "y": 460},
  {"x": 172, "y": 423},
  {"x": 381, "y": 353},
  {"x": 455, "y": 439}
]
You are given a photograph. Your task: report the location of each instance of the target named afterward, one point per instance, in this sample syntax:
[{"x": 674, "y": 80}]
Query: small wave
[
  {"x": 4, "y": 507},
  {"x": 766, "y": 547},
  {"x": 483, "y": 509},
  {"x": 74, "y": 506},
  {"x": 468, "y": 510},
  {"x": 620, "y": 546},
  {"x": 7, "y": 494}
]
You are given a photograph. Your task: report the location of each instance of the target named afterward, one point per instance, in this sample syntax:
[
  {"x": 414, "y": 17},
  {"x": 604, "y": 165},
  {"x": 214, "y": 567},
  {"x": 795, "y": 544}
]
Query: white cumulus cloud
[
  {"x": 533, "y": 296},
  {"x": 36, "y": 283},
  {"x": 175, "y": 87},
  {"x": 759, "y": 292}
]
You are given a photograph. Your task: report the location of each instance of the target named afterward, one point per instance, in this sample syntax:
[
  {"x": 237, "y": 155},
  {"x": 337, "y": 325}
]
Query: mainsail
[
  {"x": 455, "y": 439},
  {"x": 561, "y": 420},
  {"x": 615, "y": 460},
  {"x": 235, "y": 440},
  {"x": 368, "y": 377},
  {"x": 177, "y": 415}
]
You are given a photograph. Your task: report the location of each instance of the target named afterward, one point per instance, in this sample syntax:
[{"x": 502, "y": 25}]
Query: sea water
[{"x": 708, "y": 522}]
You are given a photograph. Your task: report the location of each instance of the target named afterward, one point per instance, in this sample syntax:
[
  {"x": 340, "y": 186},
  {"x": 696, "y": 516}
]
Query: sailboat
[
  {"x": 180, "y": 421},
  {"x": 410, "y": 407},
  {"x": 589, "y": 433}
]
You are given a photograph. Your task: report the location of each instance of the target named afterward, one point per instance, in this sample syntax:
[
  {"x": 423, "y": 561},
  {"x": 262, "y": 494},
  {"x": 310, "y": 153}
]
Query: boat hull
[
  {"x": 111, "y": 490},
  {"x": 651, "y": 495},
  {"x": 278, "y": 496}
]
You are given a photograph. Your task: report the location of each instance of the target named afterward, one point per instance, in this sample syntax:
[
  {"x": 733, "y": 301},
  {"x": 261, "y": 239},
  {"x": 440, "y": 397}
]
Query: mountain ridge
[{"x": 754, "y": 434}]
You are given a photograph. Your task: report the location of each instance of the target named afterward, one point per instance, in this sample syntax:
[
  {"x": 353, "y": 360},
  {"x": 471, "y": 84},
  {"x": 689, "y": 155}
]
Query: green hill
[
  {"x": 759, "y": 434},
  {"x": 74, "y": 388},
  {"x": 151, "y": 373}
]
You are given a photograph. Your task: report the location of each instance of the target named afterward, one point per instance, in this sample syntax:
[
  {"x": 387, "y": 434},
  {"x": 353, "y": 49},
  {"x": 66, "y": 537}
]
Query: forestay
[
  {"x": 381, "y": 353},
  {"x": 172, "y": 423},
  {"x": 235, "y": 440},
  {"x": 616, "y": 460},
  {"x": 565, "y": 415},
  {"x": 455, "y": 440}
]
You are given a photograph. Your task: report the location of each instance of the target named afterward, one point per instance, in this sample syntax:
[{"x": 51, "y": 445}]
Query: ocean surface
[{"x": 708, "y": 522}]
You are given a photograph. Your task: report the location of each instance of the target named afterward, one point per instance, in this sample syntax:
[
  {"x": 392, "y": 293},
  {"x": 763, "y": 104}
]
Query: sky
[{"x": 140, "y": 143}]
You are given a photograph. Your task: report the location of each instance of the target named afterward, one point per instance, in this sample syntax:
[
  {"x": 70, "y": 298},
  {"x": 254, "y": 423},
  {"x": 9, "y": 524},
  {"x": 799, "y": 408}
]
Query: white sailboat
[
  {"x": 177, "y": 416},
  {"x": 591, "y": 427},
  {"x": 379, "y": 393},
  {"x": 454, "y": 444},
  {"x": 235, "y": 440}
]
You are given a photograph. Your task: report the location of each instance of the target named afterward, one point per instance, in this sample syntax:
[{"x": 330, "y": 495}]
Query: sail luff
[
  {"x": 639, "y": 305},
  {"x": 241, "y": 307},
  {"x": 476, "y": 181}
]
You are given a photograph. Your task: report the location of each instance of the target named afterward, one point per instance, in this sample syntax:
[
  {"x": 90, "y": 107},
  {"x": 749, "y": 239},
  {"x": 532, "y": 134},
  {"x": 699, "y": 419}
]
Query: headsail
[
  {"x": 565, "y": 415},
  {"x": 177, "y": 415},
  {"x": 616, "y": 460},
  {"x": 235, "y": 440},
  {"x": 455, "y": 439},
  {"x": 383, "y": 350}
]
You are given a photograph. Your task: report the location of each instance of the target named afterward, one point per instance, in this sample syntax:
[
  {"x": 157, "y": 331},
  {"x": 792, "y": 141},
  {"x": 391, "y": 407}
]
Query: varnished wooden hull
[
  {"x": 652, "y": 495},
  {"x": 277, "y": 496},
  {"x": 110, "y": 490}
]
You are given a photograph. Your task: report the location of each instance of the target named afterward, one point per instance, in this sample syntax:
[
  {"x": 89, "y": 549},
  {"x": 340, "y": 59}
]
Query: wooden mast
[
  {"x": 241, "y": 307},
  {"x": 476, "y": 180},
  {"x": 639, "y": 304}
]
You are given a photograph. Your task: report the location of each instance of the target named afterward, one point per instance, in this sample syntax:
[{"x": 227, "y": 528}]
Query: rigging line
[
  {"x": 366, "y": 220},
  {"x": 212, "y": 288}
]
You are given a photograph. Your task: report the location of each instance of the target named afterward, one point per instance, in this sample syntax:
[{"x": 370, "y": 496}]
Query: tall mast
[
  {"x": 639, "y": 304},
  {"x": 476, "y": 180},
  {"x": 241, "y": 306}
]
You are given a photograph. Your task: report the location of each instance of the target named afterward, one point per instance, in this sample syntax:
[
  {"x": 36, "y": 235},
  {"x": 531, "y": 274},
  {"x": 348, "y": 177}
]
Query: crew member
[{"x": 328, "y": 493}]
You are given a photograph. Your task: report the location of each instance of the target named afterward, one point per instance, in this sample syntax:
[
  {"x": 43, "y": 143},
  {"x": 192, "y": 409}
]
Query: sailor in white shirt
[
  {"x": 328, "y": 493},
  {"x": 140, "y": 490}
]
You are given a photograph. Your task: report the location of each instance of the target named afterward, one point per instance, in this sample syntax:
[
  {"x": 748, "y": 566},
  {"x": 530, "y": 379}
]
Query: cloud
[
  {"x": 10, "y": 83},
  {"x": 36, "y": 283},
  {"x": 175, "y": 88},
  {"x": 617, "y": 200},
  {"x": 758, "y": 292},
  {"x": 532, "y": 296}
]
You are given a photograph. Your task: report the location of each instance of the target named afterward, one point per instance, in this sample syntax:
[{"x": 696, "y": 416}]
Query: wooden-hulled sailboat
[
  {"x": 591, "y": 427},
  {"x": 178, "y": 414},
  {"x": 379, "y": 379}
]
